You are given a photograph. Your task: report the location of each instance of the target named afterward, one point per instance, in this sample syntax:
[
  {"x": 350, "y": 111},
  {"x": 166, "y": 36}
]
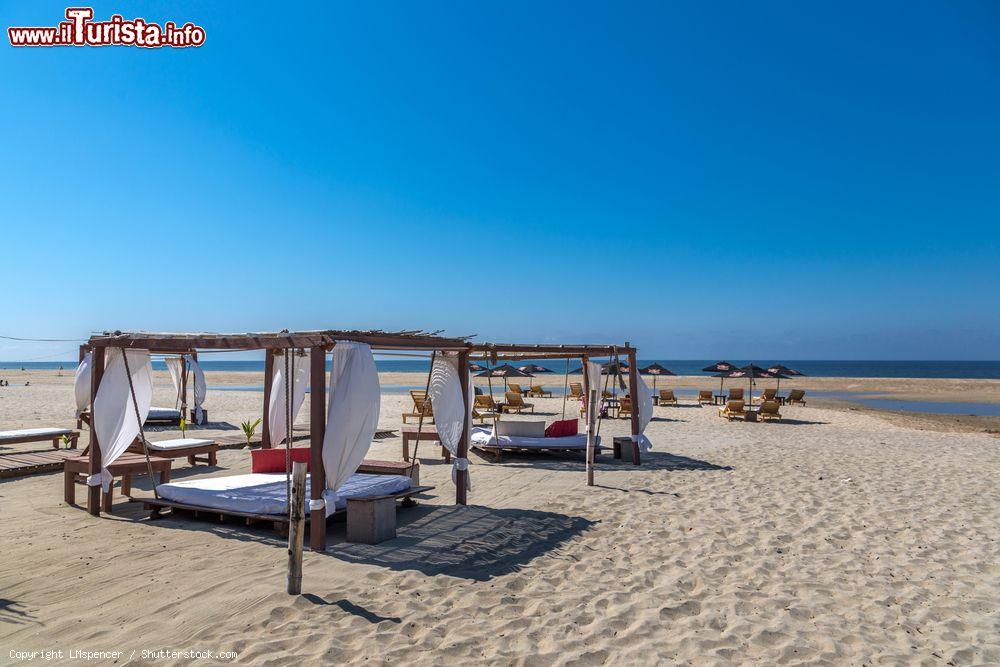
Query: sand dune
[{"x": 832, "y": 538}]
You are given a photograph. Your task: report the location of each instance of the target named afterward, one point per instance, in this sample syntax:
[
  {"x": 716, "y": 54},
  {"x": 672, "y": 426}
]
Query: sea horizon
[{"x": 937, "y": 369}]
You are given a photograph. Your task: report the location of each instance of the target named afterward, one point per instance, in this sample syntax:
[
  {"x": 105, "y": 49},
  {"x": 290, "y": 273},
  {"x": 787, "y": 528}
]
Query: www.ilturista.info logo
[{"x": 81, "y": 30}]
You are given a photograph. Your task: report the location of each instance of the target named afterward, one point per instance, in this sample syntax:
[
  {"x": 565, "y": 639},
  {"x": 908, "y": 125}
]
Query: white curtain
[
  {"x": 175, "y": 366},
  {"x": 450, "y": 414},
  {"x": 299, "y": 378},
  {"x": 593, "y": 377},
  {"x": 81, "y": 384},
  {"x": 645, "y": 412},
  {"x": 114, "y": 418},
  {"x": 200, "y": 389},
  {"x": 352, "y": 412}
]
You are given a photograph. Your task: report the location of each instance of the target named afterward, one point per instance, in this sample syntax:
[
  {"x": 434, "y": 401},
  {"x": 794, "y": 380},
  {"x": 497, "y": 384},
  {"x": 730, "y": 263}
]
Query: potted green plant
[{"x": 249, "y": 428}]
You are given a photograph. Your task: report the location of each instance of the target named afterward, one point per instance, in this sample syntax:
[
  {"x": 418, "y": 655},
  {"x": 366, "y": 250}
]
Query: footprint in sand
[{"x": 689, "y": 608}]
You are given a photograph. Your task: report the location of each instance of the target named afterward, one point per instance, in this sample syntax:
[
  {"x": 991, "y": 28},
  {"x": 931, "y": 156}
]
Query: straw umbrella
[{"x": 656, "y": 370}]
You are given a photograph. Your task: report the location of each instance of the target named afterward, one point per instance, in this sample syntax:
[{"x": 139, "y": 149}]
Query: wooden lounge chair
[
  {"x": 796, "y": 396},
  {"x": 625, "y": 408},
  {"x": 733, "y": 410},
  {"x": 667, "y": 397},
  {"x": 485, "y": 404},
  {"x": 56, "y": 435},
  {"x": 539, "y": 391},
  {"x": 768, "y": 395},
  {"x": 768, "y": 410},
  {"x": 515, "y": 403},
  {"x": 575, "y": 391},
  {"x": 736, "y": 394},
  {"x": 421, "y": 405},
  {"x": 705, "y": 396},
  {"x": 478, "y": 416},
  {"x": 516, "y": 387}
]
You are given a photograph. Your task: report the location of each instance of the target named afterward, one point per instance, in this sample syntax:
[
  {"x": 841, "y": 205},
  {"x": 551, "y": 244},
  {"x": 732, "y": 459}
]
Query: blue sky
[{"x": 777, "y": 180}]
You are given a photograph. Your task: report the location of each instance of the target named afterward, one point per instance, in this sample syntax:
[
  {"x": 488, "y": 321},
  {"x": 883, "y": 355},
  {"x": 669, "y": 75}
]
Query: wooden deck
[{"x": 32, "y": 463}]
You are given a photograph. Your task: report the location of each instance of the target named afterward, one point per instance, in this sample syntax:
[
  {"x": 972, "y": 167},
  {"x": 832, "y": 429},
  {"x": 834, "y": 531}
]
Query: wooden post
[
  {"x": 592, "y": 408},
  {"x": 462, "y": 483},
  {"x": 83, "y": 353},
  {"x": 317, "y": 431},
  {"x": 633, "y": 395},
  {"x": 94, "y": 467},
  {"x": 265, "y": 434},
  {"x": 296, "y": 527}
]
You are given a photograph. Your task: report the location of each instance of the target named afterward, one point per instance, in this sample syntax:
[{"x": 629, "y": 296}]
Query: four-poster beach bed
[
  {"x": 353, "y": 366},
  {"x": 509, "y": 352}
]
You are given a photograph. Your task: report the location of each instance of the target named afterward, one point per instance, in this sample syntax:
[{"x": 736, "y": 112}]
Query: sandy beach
[{"x": 840, "y": 536}]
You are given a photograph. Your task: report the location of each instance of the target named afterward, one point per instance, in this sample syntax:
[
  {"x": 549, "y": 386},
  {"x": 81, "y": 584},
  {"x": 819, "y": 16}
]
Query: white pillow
[{"x": 521, "y": 429}]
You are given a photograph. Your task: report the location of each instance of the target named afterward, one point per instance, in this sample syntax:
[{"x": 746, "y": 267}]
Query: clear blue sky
[{"x": 730, "y": 179}]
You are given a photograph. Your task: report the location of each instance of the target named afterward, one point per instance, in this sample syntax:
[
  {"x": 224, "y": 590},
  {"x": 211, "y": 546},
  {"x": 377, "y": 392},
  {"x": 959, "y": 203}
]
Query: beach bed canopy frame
[
  {"x": 318, "y": 343},
  {"x": 513, "y": 352}
]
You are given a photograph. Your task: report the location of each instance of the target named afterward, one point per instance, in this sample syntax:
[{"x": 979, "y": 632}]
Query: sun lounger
[
  {"x": 421, "y": 405},
  {"x": 667, "y": 397},
  {"x": 733, "y": 410},
  {"x": 796, "y": 396},
  {"x": 24, "y": 435},
  {"x": 768, "y": 410},
  {"x": 514, "y": 403},
  {"x": 486, "y": 405},
  {"x": 516, "y": 387},
  {"x": 768, "y": 395},
  {"x": 736, "y": 394},
  {"x": 575, "y": 391},
  {"x": 705, "y": 396},
  {"x": 190, "y": 448},
  {"x": 539, "y": 391},
  {"x": 625, "y": 408}
]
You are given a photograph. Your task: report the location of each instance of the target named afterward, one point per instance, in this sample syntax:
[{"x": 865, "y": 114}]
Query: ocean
[{"x": 985, "y": 370}]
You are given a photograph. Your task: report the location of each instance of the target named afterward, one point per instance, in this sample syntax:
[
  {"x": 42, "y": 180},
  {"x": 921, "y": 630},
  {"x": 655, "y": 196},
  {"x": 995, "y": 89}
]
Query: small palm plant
[
  {"x": 183, "y": 427},
  {"x": 249, "y": 428}
]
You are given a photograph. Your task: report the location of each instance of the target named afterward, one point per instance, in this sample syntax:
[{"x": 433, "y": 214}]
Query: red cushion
[
  {"x": 273, "y": 460},
  {"x": 562, "y": 428}
]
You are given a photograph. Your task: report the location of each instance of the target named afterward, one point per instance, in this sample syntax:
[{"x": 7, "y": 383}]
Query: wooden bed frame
[
  {"x": 209, "y": 452},
  {"x": 8, "y": 438},
  {"x": 380, "y": 531},
  {"x": 497, "y": 450}
]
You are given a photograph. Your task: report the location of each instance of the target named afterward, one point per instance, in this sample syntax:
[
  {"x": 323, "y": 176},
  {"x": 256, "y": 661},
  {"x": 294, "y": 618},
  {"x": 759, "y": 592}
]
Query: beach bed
[
  {"x": 261, "y": 497},
  {"x": 483, "y": 440},
  {"x": 24, "y": 435},
  {"x": 179, "y": 448}
]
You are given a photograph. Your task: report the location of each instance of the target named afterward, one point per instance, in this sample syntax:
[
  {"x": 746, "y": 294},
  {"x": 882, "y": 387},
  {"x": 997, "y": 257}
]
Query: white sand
[{"x": 834, "y": 538}]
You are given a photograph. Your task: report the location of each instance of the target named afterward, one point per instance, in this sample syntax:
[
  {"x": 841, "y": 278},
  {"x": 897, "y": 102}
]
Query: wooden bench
[
  {"x": 125, "y": 467},
  {"x": 376, "y": 467},
  {"x": 39, "y": 435},
  {"x": 427, "y": 434},
  {"x": 179, "y": 448}
]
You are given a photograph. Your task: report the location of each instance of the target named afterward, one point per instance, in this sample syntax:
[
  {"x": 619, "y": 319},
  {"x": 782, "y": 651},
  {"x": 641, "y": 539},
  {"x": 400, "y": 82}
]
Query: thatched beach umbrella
[{"x": 656, "y": 370}]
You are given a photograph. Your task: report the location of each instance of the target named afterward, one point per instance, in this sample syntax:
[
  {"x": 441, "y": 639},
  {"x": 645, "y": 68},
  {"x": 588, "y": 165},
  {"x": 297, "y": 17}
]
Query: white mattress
[
  {"x": 31, "y": 432},
  {"x": 179, "y": 443},
  {"x": 264, "y": 493},
  {"x": 163, "y": 414},
  {"x": 484, "y": 436}
]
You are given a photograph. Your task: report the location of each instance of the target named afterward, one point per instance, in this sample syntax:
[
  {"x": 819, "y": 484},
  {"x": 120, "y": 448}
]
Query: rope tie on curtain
[{"x": 460, "y": 464}]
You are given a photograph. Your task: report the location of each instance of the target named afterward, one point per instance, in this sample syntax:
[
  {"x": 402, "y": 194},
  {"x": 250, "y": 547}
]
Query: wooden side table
[{"x": 427, "y": 434}]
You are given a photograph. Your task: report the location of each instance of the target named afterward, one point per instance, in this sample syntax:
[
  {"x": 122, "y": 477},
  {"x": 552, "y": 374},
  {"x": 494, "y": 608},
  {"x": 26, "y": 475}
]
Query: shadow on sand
[
  {"x": 470, "y": 542},
  {"x": 11, "y": 613}
]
